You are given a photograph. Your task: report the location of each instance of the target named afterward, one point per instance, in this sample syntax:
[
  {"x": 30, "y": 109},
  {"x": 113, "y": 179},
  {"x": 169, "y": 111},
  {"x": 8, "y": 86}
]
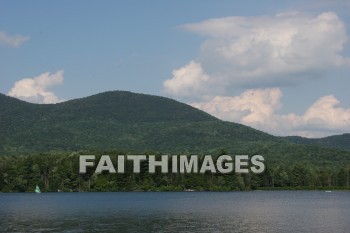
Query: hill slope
[
  {"x": 126, "y": 122},
  {"x": 116, "y": 119},
  {"x": 336, "y": 141}
]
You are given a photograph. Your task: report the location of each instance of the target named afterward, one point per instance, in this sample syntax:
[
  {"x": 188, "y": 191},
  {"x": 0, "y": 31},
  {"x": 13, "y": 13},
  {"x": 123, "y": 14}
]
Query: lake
[{"x": 258, "y": 211}]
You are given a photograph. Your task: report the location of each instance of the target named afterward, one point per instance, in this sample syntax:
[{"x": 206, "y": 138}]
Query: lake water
[{"x": 259, "y": 211}]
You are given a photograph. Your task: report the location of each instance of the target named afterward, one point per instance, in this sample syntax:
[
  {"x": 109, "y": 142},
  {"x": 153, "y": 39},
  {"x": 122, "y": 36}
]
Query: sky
[{"x": 278, "y": 66}]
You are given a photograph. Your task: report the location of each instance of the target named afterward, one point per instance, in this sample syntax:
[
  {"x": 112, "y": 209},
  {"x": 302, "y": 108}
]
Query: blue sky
[{"x": 279, "y": 66}]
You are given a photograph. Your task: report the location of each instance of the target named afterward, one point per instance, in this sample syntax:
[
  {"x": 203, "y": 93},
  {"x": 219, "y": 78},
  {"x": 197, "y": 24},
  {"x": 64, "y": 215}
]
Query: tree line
[{"x": 60, "y": 172}]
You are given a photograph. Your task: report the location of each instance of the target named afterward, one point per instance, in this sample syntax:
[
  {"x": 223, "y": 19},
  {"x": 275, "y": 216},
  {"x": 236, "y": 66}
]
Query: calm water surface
[{"x": 260, "y": 211}]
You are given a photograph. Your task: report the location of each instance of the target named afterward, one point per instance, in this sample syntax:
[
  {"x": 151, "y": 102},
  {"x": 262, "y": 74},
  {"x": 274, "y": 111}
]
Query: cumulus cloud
[
  {"x": 259, "y": 108},
  {"x": 36, "y": 90},
  {"x": 326, "y": 114},
  {"x": 262, "y": 54},
  {"x": 12, "y": 41},
  {"x": 188, "y": 81},
  {"x": 265, "y": 51},
  {"x": 252, "y": 106}
]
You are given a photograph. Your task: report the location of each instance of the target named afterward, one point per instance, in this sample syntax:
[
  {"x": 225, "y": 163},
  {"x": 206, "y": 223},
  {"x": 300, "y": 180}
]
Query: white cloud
[
  {"x": 327, "y": 114},
  {"x": 35, "y": 90},
  {"x": 252, "y": 106},
  {"x": 266, "y": 51},
  {"x": 188, "y": 81},
  {"x": 12, "y": 41},
  {"x": 259, "y": 108}
]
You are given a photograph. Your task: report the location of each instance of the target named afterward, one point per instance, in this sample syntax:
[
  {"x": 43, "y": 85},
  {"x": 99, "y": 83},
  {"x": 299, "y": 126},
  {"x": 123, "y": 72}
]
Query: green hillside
[
  {"x": 40, "y": 144},
  {"x": 123, "y": 120},
  {"x": 336, "y": 141},
  {"x": 137, "y": 123}
]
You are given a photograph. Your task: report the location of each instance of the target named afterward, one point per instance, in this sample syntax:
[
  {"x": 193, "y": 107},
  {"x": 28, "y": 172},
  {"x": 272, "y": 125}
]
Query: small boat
[
  {"x": 328, "y": 191},
  {"x": 37, "y": 189}
]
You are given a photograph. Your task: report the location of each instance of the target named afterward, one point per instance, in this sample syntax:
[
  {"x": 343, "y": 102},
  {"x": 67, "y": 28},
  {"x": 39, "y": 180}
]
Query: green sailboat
[{"x": 37, "y": 189}]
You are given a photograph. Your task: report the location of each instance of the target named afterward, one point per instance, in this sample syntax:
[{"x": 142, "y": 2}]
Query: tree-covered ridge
[
  {"x": 128, "y": 121},
  {"x": 336, "y": 141},
  {"x": 121, "y": 106},
  {"x": 43, "y": 136},
  {"x": 116, "y": 119}
]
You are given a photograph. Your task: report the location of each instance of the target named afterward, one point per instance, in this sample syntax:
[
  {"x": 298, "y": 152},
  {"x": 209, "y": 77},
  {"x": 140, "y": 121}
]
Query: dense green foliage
[
  {"x": 336, "y": 141},
  {"x": 122, "y": 120},
  {"x": 35, "y": 141},
  {"x": 59, "y": 172}
]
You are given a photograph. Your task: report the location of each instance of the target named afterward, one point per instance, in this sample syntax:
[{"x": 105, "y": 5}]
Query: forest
[
  {"x": 58, "y": 172},
  {"x": 41, "y": 144}
]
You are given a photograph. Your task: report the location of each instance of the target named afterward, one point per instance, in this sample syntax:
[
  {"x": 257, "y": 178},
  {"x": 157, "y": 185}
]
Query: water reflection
[{"x": 295, "y": 211}]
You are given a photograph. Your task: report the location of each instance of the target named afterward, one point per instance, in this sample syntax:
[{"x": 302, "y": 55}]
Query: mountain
[
  {"x": 125, "y": 122},
  {"x": 118, "y": 122},
  {"x": 116, "y": 119},
  {"x": 336, "y": 141}
]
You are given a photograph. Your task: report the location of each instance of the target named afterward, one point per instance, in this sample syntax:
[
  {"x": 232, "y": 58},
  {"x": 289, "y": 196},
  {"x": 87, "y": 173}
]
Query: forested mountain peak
[{"x": 116, "y": 119}]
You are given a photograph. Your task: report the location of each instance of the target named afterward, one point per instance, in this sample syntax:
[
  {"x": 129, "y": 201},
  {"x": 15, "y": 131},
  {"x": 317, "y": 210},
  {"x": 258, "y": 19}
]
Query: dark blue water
[{"x": 260, "y": 211}]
